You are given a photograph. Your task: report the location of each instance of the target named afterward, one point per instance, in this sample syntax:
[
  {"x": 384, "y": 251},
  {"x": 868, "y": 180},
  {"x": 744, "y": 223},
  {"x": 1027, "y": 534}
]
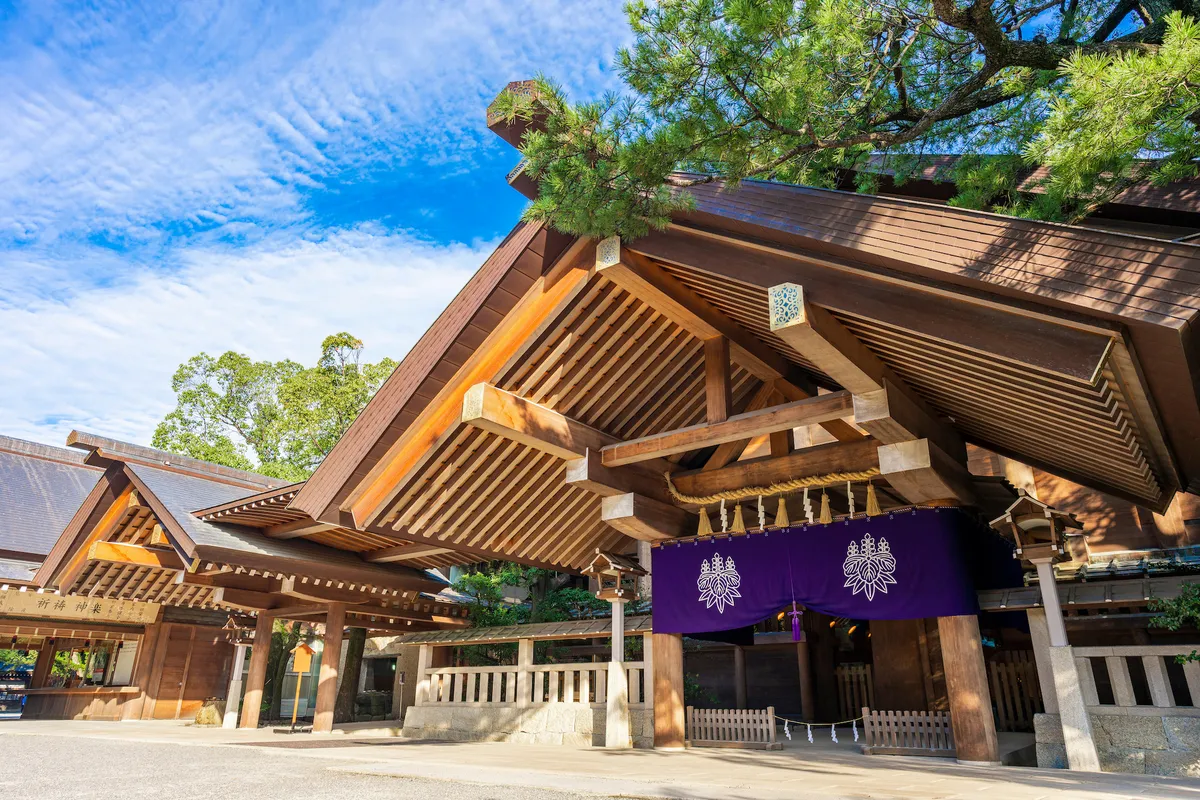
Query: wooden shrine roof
[
  {"x": 137, "y": 538},
  {"x": 271, "y": 513},
  {"x": 1063, "y": 347},
  {"x": 538, "y": 631},
  {"x": 40, "y": 488}
]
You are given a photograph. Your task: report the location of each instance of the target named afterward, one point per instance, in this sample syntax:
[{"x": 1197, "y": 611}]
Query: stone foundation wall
[
  {"x": 1137, "y": 744},
  {"x": 553, "y": 723}
]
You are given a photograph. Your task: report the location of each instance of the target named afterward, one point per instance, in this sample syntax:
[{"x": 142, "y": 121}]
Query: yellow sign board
[
  {"x": 86, "y": 609},
  {"x": 302, "y": 658}
]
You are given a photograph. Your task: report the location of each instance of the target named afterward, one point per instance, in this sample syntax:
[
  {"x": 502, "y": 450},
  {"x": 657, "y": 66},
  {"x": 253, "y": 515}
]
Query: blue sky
[{"x": 177, "y": 177}]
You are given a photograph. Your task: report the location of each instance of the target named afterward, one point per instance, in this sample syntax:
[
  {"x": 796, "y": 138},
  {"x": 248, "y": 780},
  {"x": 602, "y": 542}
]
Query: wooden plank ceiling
[
  {"x": 609, "y": 361},
  {"x": 1067, "y": 425}
]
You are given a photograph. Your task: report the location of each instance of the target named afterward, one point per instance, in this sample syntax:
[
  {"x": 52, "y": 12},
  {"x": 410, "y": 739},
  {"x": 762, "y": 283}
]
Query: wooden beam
[
  {"x": 249, "y": 600},
  {"x": 121, "y": 553},
  {"x": 717, "y": 380},
  {"x": 403, "y": 552},
  {"x": 518, "y": 419},
  {"x": 652, "y": 285},
  {"x": 321, "y": 594},
  {"x": 229, "y": 580},
  {"x": 730, "y": 451},
  {"x": 923, "y": 473},
  {"x": 158, "y": 537},
  {"x": 741, "y": 426},
  {"x": 103, "y": 529},
  {"x": 589, "y": 473},
  {"x": 540, "y": 305},
  {"x": 818, "y": 336},
  {"x": 644, "y": 519},
  {"x": 297, "y": 528},
  {"x": 297, "y": 611},
  {"x": 819, "y": 460}
]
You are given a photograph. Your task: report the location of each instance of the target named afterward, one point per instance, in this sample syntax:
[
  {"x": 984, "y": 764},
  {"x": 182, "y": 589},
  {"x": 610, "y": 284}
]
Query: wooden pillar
[
  {"x": 41, "y": 669},
  {"x": 524, "y": 674},
  {"x": 966, "y": 682},
  {"x": 808, "y": 708},
  {"x": 398, "y": 690},
  {"x": 139, "y": 677},
  {"x": 256, "y": 678},
  {"x": 669, "y": 724},
  {"x": 335, "y": 627},
  {"x": 739, "y": 675},
  {"x": 616, "y": 723},
  {"x": 233, "y": 697},
  {"x": 154, "y": 670},
  {"x": 1069, "y": 697}
]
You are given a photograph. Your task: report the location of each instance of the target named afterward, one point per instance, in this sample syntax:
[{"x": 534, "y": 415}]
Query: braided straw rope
[{"x": 810, "y": 482}]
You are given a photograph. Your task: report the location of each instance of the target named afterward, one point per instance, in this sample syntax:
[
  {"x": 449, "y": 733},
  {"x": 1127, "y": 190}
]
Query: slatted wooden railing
[
  {"x": 856, "y": 689},
  {"x": 1015, "y": 691},
  {"x": 527, "y": 685},
  {"x": 908, "y": 733},
  {"x": 730, "y": 727}
]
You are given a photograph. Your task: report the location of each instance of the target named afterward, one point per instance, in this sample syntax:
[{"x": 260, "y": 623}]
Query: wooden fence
[
  {"x": 727, "y": 727},
  {"x": 908, "y": 733},
  {"x": 856, "y": 689},
  {"x": 1015, "y": 691}
]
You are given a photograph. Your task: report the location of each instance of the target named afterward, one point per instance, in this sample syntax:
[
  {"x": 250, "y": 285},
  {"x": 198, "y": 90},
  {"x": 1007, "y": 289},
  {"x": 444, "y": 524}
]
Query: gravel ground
[{"x": 53, "y": 767}]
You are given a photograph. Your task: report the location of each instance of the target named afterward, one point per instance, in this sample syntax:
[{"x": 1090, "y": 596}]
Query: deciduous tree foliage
[
  {"x": 275, "y": 417},
  {"x": 1104, "y": 93}
]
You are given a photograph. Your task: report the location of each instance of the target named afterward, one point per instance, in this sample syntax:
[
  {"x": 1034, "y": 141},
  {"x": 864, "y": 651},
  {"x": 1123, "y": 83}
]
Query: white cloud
[{"x": 102, "y": 359}]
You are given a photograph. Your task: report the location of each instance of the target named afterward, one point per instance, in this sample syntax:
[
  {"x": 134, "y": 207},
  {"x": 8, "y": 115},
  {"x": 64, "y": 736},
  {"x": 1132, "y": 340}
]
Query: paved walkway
[{"x": 820, "y": 771}]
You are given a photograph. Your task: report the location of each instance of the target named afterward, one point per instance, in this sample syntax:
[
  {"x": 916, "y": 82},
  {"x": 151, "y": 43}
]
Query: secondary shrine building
[{"x": 869, "y": 464}]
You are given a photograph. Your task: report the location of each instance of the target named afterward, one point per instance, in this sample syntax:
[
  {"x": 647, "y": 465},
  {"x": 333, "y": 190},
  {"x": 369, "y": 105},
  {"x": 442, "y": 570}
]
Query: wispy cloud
[
  {"x": 207, "y": 175},
  {"x": 102, "y": 359}
]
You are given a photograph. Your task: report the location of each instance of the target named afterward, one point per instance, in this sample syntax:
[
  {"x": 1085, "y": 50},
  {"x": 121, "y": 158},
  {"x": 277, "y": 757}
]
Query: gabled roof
[
  {"x": 40, "y": 488},
  {"x": 1062, "y": 347}
]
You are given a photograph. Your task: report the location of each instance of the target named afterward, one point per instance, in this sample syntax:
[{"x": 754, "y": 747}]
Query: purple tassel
[{"x": 796, "y": 637}]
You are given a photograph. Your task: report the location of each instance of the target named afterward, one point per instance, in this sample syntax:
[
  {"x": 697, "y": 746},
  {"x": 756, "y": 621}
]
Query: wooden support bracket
[{"x": 644, "y": 519}]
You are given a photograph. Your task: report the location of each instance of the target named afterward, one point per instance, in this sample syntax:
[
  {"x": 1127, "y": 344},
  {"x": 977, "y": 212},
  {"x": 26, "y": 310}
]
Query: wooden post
[
  {"x": 524, "y": 665},
  {"x": 398, "y": 690},
  {"x": 967, "y": 684},
  {"x": 41, "y": 669},
  {"x": 807, "y": 702},
  {"x": 669, "y": 725},
  {"x": 739, "y": 675},
  {"x": 256, "y": 678},
  {"x": 233, "y": 698},
  {"x": 335, "y": 624},
  {"x": 616, "y": 724},
  {"x": 154, "y": 670}
]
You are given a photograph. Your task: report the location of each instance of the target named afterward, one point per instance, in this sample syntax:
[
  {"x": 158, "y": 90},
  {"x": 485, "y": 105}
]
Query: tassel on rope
[
  {"x": 705, "y": 528},
  {"x": 781, "y": 514},
  {"x": 739, "y": 524},
  {"x": 826, "y": 514},
  {"x": 796, "y": 614},
  {"x": 808, "y": 512},
  {"x": 762, "y": 514},
  {"x": 724, "y": 517},
  {"x": 850, "y": 494},
  {"x": 873, "y": 509}
]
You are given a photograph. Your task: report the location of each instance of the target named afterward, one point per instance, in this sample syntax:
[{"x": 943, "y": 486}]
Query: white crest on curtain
[
  {"x": 869, "y": 567},
  {"x": 718, "y": 583}
]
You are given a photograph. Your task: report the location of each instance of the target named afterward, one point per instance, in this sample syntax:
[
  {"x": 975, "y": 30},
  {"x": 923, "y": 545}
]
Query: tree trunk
[
  {"x": 343, "y": 709},
  {"x": 282, "y": 643}
]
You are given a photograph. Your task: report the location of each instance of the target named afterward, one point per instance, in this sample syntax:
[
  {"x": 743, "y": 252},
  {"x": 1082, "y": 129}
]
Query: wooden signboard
[{"x": 93, "y": 609}]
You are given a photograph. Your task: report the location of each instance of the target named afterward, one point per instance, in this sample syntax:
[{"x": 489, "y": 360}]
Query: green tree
[
  {"x": 278, "y": 418},
  {"x": 1104, "y": 93},
  {"x": 1177, "y": 612}
]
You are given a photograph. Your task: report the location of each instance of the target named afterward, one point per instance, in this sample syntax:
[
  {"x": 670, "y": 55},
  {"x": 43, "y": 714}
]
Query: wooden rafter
[
  {"x": 403, "y": 552},
  {"x": 297, "y": 528},
  {"x": 548, "y": 296},
  {"x": 132, "y": 554},
  {"x": 813, "y": 410},
  {"x": 646, "y": 281},
  {"x": 492, "y": 409}
]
